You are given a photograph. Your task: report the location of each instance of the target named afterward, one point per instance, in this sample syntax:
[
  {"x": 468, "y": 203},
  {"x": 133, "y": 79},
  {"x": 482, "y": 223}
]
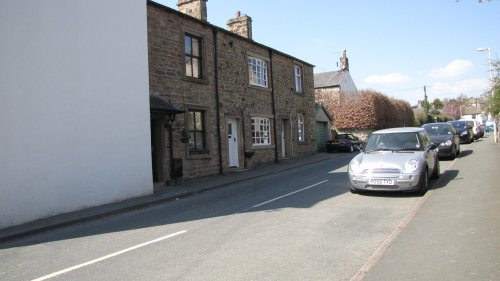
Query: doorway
[
  {"x": 285, "y": 138},
  {"x": 157, "y": 150},
  {"x": 232, "y": 135}
]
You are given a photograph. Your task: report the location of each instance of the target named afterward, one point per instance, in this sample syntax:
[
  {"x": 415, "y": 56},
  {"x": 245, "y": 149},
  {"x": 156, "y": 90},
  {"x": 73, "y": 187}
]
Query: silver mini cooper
[{"x": 396, "y": 159}]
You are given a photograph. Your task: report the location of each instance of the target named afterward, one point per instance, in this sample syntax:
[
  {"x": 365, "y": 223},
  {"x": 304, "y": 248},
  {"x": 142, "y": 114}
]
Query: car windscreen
[
  {"x": 459, "y": 124},
  {"x": 393, "y": 142},
  {"x": 437, "y": 129}
]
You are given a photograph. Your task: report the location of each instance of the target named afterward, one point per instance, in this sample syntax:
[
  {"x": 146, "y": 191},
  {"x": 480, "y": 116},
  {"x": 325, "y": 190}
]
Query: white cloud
[
  {"x": 455, "y": 68},
  {"x": 442, "y": 90},
  {"x": 469, "y": 87},
  {"x": 387, "y": 79}
]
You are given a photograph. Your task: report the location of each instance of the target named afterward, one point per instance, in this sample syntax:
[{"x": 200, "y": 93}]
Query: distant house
[
  {"x": 334, "y": 86},
  {"x": 334, "y": 83}
]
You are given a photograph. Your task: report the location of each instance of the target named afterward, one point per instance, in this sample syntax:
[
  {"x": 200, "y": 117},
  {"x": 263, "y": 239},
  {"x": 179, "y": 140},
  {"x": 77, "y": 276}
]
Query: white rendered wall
[{"x": 74, "y": 106}]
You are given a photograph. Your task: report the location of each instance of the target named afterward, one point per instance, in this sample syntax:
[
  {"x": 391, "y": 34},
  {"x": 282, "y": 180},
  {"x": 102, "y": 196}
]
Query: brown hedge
[{"x": 369, "y": 110}]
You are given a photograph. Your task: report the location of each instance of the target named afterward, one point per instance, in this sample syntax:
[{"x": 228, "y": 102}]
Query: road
[{"x": 302, "y": 224}]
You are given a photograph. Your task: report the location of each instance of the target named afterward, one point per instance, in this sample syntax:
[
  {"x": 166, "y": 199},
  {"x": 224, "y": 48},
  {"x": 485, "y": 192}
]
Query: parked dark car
[
  {"x": 445, "y": 137},
  {"x": 344, "y": 142},
  {"x": 464, "y": 129},
  {"x": 476, "y": 131}
]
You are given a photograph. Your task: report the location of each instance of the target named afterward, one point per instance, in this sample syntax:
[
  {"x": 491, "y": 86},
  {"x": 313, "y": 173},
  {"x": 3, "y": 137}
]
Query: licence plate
[{"x": 381, "y": 181}]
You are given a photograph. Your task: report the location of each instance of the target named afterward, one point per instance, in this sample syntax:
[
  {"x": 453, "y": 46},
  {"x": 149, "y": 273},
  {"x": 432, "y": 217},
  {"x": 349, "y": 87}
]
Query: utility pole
[
  {"x": 426, "y": 104},
  {"x": 490, "y": 63}
]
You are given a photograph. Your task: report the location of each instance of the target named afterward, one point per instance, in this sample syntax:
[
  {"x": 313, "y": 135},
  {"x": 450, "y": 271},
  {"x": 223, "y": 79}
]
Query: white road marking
[
  {"x": 52, "y": 275},
  {"x": 339, "y": 170},
  {"x": 286, "y": 195}
]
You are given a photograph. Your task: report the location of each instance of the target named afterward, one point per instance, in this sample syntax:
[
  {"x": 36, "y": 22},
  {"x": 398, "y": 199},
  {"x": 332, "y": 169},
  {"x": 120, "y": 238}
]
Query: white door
[
  {"x": 283, "y": 142},
  {"x": 232, "y": 134}
]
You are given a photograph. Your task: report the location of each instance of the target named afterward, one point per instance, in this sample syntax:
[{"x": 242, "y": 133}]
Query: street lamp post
[{"x": 492, "y": 90}]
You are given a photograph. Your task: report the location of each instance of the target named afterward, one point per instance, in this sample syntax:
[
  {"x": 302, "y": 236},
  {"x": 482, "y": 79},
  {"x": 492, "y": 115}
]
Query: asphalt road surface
[{"x": 302, "y": 224}]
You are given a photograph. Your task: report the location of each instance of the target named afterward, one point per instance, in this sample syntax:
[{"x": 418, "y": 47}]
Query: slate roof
[
  {"x": 160, "y": 105},
  {"x": 328, "y": 79}
]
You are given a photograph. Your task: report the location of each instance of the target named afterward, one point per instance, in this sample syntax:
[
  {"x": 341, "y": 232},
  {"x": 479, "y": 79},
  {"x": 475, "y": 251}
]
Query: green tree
[
  {"x": 437, "y": 104},
  {"x": 494, "y": 101},
  {"x": 426, "y": 105}
]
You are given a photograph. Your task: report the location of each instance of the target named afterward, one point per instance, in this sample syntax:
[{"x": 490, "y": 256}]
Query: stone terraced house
[{"x": 223, "y": 101}]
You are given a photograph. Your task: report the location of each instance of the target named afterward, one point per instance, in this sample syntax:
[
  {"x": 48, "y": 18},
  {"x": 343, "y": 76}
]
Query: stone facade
[{"x": 226, "y": 98}]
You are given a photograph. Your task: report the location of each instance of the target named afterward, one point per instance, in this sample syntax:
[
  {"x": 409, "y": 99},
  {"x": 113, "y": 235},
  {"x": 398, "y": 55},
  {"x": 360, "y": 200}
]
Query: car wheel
[
  {"x": 437, "y": 170},
  {"x": 423, "y": 184}
]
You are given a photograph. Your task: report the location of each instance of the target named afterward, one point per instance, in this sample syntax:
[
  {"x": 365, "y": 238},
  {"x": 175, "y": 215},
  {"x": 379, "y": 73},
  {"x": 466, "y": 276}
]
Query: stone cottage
[
  {"x": 334, "y": 86},
  {"x": 235, "y": 103}
]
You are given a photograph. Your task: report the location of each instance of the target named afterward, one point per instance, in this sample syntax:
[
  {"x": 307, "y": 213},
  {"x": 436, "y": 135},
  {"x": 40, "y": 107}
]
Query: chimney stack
[
  {"x": 241, "y": 25},
  {"x": 194, "y": 8},
  {"x": 344, "y": 61}
]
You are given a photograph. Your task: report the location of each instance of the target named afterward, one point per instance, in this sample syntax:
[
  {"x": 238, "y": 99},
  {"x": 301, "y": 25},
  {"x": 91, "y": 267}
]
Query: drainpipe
[
  {"x": 217, "y": 99},
  {"x": 291, "y": 134},
  {"x": 273, "y": 105},
  {"x": 170, "y": 121},
  {"x": 245, "y": 164}
]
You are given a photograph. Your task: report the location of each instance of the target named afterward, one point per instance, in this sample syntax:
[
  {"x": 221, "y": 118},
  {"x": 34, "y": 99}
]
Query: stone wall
[
  {"x": 167, "y": 77},
  {"x": 238, "y": 100}
]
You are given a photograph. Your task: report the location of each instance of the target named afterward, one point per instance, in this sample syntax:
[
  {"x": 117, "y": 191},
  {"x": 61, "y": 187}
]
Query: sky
[{"x": 394, "y": 47}]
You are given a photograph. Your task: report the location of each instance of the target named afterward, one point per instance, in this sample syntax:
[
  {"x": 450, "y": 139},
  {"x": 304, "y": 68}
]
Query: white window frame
[
  {"x": 300, "y": 127},
  {"x": 297, "y": 70},
  {"x": 257, "y": 72},
  {"x": 261, "y": 131}
]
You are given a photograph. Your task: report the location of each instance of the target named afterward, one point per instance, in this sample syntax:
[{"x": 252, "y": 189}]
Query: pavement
[
  {"x": 162, "y": 195},
  {"x": 454, "y": 235}
]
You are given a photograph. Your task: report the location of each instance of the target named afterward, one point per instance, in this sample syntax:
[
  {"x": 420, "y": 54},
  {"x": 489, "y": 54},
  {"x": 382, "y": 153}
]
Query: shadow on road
[
  {"x": 229, "y": 200},
  {"x": 465, "y": 153},
  {"x": 444, "y": 179}
]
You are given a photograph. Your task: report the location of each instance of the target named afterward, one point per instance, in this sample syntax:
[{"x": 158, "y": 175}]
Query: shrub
[{"x": 370, "y": 110}]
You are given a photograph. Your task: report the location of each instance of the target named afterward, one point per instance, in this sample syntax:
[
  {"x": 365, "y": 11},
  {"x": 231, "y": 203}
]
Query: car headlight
[
  {"x": 447, "y": 143},
  {"x": 354, "y": 166},
  {"x": 411, "y": 166},
  {"x": 463, "y": 133}
]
